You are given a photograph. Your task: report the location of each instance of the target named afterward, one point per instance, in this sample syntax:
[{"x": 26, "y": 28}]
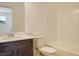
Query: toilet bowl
[{"x": 47, "y": 51}]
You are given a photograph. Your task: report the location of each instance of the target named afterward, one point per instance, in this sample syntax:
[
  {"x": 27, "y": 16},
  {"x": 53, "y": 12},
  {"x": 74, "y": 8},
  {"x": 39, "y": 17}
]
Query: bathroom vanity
[{"x": 16, "y": 47}]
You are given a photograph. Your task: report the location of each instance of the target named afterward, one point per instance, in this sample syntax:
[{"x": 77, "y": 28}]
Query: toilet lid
[{"x": 48, "y": 50}]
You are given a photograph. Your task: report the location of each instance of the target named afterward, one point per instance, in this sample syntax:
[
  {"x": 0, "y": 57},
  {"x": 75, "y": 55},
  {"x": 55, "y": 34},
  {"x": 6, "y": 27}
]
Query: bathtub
[{"x": 65, "y": 49}]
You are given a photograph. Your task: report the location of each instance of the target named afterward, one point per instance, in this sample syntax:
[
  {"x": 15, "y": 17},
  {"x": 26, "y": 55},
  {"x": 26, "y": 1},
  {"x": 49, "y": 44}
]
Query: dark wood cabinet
[
  {"x": 17, "y": 48},
  {"x": 8, "y": 53},
  {"x": 26, "y": 51}
]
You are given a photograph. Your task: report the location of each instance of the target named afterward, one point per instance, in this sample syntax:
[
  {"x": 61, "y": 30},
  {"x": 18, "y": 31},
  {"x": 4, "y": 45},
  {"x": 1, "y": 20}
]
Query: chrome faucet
[{"x": 11, "y": 33}]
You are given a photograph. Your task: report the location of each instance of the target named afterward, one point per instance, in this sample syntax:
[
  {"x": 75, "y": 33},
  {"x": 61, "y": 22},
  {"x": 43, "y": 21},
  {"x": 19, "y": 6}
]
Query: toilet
[{"x": 47, "y": 51}]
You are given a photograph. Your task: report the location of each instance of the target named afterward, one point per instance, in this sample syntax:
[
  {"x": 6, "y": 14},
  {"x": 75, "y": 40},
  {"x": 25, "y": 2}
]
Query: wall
[
  {"x": 18, "y": 15},
  {"x": 51, "y": 17},
  {"x": 34, "y": 18},
  {"x": 56, "y": 21},
  {"x": 68, "y": 27},
  {"x": 40, "y": 18},
  {"x": 35, "y": 22}
]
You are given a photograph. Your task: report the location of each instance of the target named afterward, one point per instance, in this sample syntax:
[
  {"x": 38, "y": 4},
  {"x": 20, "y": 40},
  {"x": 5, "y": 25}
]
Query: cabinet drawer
[{"x": 24, "y": 43}]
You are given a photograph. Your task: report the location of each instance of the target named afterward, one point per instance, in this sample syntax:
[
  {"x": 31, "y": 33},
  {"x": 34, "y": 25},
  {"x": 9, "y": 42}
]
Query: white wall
[
  {"x": 68, "y": 27},
  {"x": 35, "y": 22},
  {"x": 51, "y": 17},
  {"x": 35, "y": 18},
  {"x": 41, "y": 19}
]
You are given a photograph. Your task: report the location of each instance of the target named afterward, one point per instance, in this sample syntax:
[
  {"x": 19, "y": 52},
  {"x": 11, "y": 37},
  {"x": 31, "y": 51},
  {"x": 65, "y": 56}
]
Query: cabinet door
[
  {"x": 25, "y": 51},
  {"x": 8, "y": 53},
  {"x": 8, "y": 49}
]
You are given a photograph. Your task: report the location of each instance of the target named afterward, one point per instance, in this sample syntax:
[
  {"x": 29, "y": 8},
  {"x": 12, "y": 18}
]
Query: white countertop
[
  {"x": 10, "y": 39},
  {"x": 18, "y": 37}
]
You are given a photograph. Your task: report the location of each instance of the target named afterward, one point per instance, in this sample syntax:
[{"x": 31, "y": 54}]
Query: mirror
[{"x": 5, "y": 20}]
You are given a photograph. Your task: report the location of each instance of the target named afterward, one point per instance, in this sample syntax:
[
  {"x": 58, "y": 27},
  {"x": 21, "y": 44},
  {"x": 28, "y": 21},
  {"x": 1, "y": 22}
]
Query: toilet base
[
  {"x": 47, "y": 55},
  {"x": 47, "y": 51}
]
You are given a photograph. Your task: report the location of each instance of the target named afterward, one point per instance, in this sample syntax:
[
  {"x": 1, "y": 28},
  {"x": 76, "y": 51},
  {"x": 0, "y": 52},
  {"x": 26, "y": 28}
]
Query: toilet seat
[{"x": 47, "y": 50}]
